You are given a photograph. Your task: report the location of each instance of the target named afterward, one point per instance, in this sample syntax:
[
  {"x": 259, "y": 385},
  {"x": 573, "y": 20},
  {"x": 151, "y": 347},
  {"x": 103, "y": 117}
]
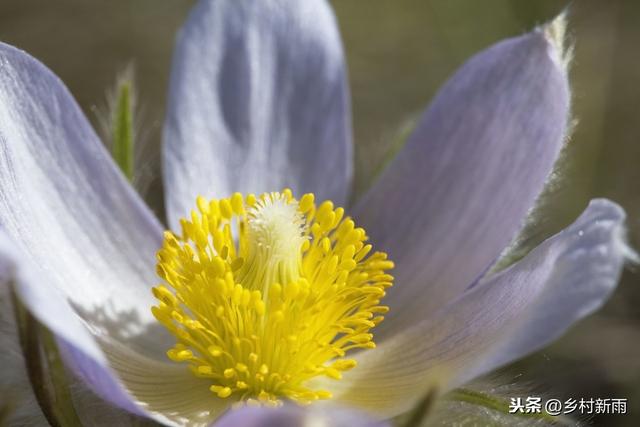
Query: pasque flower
[{"x": 267, "y": 293}]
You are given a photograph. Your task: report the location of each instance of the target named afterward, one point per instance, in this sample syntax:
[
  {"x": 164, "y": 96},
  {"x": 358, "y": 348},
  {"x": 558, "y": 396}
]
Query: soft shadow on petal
[
  {"x": 75, "y": 238},
  {"x": 165, "y": 389},
  {"x": 497, "y": 321},
  {"x": 258, "y": 101},
  {"x": 459, "y": 191},
  {"x": 296, "y": 416},
  {"x": 65, "y": 205},
  {"x": 51, "y": 308},
  {"x": 162, "y": 391},
  {"x": 15, "y": 387}
]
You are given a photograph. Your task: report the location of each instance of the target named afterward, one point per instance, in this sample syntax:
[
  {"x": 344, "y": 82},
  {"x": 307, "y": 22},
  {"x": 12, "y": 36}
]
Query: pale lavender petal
[
  {"x": 51, "y": 308},
  {"x": 258, "y": 101},
  {"x": 134, "y": 382},
  {"x": 163, "y": 390},
  {"x": 507, "y": 316},
  {"x": 74, "y": 236},
  {"x": 296, "y": 416},
  {"x": 15, "y": 390},
  {"x": 460, "y": 189},
  {"x": 65, "y": 205}
]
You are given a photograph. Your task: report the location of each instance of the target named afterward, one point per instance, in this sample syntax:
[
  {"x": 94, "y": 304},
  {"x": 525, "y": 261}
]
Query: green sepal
[
  {"x": 122, "y": 131},
  {"x": 45, "y": 368}
]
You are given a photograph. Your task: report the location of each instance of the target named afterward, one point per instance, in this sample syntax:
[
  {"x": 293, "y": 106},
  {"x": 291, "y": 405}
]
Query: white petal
[
  {"x": 463, "y": 184},
  {"x": 259, "y": 101},
  {"x": 51, "y": 308},
  {"x": 162, "y": 391},
  {"x": 167, "y": 390},
  {"x": 65, "y": 205},
  {"x": 509, "y": 315},
  {"x": 74, "y": 236}
]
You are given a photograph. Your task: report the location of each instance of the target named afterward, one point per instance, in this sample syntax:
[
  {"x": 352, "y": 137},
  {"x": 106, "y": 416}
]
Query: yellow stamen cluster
[{"x": 268, "y": 293}]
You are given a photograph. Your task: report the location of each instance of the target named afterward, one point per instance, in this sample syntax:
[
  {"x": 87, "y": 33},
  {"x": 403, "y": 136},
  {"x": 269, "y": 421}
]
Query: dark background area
[{"x": 399, "y": 52}]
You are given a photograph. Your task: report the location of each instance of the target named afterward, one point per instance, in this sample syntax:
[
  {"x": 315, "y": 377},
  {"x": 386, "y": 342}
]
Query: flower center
[{"x": 264, "y": 294}]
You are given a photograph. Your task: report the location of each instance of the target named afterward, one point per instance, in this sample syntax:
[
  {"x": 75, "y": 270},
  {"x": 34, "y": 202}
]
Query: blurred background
[{"x": 399, "y": 52}]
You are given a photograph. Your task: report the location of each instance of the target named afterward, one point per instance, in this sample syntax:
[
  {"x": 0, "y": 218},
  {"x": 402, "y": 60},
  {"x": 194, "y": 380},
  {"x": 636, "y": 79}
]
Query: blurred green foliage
[
  {"x": 122, "y": 140},
  {"x": 399, "y": 53}
]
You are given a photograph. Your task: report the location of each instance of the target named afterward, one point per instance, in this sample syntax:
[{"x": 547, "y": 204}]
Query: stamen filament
[{"x": 266, "y": 293}]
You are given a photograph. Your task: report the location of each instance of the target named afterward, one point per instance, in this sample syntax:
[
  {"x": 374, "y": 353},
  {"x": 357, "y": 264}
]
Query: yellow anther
[
  {"x": 222, "y": 392},
  {"x": 203, "y": 205},
  {"x": 205, "y": 370},
  {"x": 164, "y": 295},
  {"x": 275, "y": 291},
  {"x": 263, "y": 396},
  {"x": 225, "y": 209},
  {"x": 214, "y": 208},
  {"x": 326, "y": 245},
  {"x": 306, "y": 203},
  {"x": 237, "y": 263},
  {"x": 333, "y": 373},
  {"x": 323, "y": 394},
  {"x": 237, "y": 294},
  {"x": 292, "y": 290},
  {"x": 267, "y": 293},
  {"x": 349, "y": 252},
  {"x": 344, "y": 365},
  {"x": 261, "y": 307},
  {"x": 348, "y": 264},
  {"x": 237, "y": 203},
  {"x": 180, "y": 356}
]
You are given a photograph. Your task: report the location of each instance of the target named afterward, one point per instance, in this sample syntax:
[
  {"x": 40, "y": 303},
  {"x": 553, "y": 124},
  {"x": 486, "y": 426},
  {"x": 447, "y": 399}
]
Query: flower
[
  {"x": 262, "y": 310},
  {"x": 259, "y": 102}
]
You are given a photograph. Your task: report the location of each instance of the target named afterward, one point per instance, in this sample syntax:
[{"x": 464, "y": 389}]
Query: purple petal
[
  {"x": 459, "y": 191},
  {"x": 74, "y": 236},
  {"x": 50, "y": 307},
  {"x": 162, "y": 391},
  {"x": 259, "y": 101},
  {"x": 296, "y": 416},
  {"x": 65, "y": 205},
  {"x": 507, "y": 316}
]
